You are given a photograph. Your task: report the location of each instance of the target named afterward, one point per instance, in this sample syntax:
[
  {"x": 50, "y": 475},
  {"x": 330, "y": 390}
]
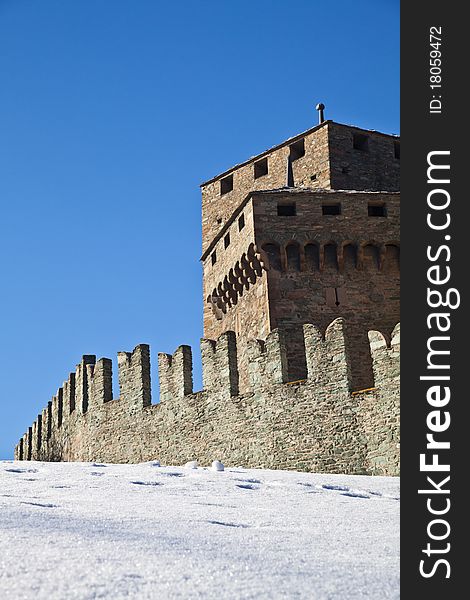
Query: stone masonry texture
[
  {"x": 300, "y": 355},
  {"x": 318, "y": 424}
]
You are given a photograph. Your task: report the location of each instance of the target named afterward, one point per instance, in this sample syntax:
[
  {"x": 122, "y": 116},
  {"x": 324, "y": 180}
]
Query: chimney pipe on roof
[{"x": 320, "y": 107}]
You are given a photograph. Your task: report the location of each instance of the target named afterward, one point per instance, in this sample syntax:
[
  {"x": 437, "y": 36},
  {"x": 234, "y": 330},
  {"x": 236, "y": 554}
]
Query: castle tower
[{"x": 303, "y": 233}]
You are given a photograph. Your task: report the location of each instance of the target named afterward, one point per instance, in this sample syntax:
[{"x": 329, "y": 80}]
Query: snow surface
[{"x": 88, "y": 530}]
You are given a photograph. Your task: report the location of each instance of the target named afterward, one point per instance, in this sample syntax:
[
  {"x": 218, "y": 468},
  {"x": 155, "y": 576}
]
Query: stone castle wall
[{"x": 319, "y": 424}]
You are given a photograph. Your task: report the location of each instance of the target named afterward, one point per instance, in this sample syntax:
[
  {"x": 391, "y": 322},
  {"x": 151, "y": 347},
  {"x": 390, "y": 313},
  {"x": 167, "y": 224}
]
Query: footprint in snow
[
  {"x": 214, "y": 504},
  {"x": 96, "y": 473},
  {"x": 336, "y": 488},
  {"x": 98, "y": 465},
  {"x": 248, "y": 480},
  {"x": 22, "y": 470},
  {"x": 146, "y": 483},
  {"x": 346, "y": 491},
  {"x": 310, "y": 487},
  {"x": 239, "y": 525},
  {"x": 247, "y": 486},
  {"x": 42, "y": 505},
  {"x": 355, "y": 495}
]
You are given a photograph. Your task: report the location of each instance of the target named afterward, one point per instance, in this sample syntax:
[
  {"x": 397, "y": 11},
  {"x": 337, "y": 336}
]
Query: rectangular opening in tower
[
  {"x": 226, "y": 185},
  {"x": 260, "y": 168},
  {"x": 361, "y": 142},
  {"x": 396, "y": 150},
  {"x": 377, "y": 210},
  {"x": 286, "y": 209},
  {"x": 241, "y": 222},
  {"x": 297, "y": 150},
  {"x": 331, "y": 209},
  {"x": 227, "y": 240}
]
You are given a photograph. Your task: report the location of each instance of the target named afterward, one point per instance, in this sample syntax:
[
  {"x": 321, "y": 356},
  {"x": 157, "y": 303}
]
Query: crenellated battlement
[
  {"x": 220, "y": 364},
  {"x": 175, "y": 373},
  {"x": 83, "y": 422},
  {"x": 385, "y": 356},
  {"x": 328, "y": 354},
  {"x": 267, "y": 361},
  {"x": 134, "y": 376}
]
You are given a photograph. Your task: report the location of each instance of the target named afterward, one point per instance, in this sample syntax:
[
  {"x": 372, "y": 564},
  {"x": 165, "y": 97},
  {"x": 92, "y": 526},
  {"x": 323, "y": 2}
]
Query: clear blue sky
[{"x": 111, "y": 114}]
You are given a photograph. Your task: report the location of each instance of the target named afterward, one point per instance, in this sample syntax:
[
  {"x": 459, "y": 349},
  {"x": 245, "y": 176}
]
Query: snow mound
[
  {"x": 217, "y": 465},
  {"x": 192, "y": 464}
]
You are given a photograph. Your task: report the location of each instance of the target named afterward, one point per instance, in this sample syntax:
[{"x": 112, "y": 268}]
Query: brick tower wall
[
  {"x": 373, "y": 165},
  {"x": 312, "y": 268},
  {"x": 326, "y": 266},
  {"x": 328, "y": 156},
  {"x": 310, "y": 170},
  {"x": 235, "y": 286}
]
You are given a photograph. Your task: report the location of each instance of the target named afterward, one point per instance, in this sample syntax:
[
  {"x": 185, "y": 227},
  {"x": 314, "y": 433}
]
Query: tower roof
[{"x": 292, "y": 140}]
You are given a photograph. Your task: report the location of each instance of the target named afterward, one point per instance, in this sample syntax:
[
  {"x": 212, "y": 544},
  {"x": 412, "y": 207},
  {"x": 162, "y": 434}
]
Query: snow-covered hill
[{"x": 81, "y": 530}]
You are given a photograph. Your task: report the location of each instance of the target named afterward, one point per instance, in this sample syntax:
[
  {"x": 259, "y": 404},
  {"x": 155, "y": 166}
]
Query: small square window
[
  {"x": 227, "y": 240},
  {"x": 219, "y": 221},
  {"x": 361, "y": 142},
  {"x": 297, "y": 150},
  {"x": 241, "y": 222},
  {"x": 377, "y": 210},
  {"x": 214, "y": 257},
  {"x": 226, "y": 185},
  {"x": 331, "y": 209},
  {"x": 313, "y": 177},
  {"x": 261, "y": 168},
  {"x": 396, "y": 150},
  {"x": 286, "y": 210}
]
